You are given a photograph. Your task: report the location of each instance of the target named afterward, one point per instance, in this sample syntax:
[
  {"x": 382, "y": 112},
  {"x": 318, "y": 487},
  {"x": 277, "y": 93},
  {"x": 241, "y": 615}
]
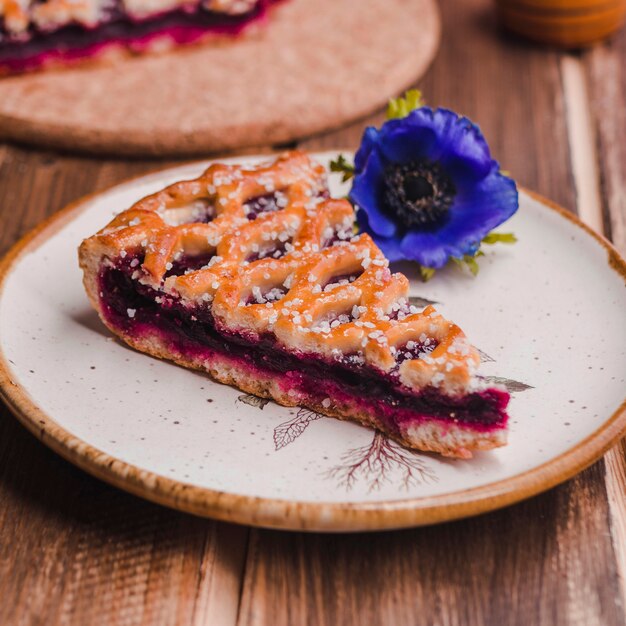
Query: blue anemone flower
[{"x": 427, "y": 189}]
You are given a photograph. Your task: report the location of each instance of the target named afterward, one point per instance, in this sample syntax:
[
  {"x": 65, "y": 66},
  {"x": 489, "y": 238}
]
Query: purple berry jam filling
[
  {"x": 267, "y": 203},
  {"x": 340, "y": 279},
  {"x": 415, "y": 350},
  {"x": 202, "y": 212},
  {"x": 188, "y": 264},
  {"x": 75, "y": 42},
  {"x": 136, "y": 309},
  {"x": 274, "y": 249},
  {"x": 273, "y": 294}
]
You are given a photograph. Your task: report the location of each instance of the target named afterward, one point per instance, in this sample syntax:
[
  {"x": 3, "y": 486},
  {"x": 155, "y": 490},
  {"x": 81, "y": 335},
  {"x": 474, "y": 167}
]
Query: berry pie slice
[
  {"x": 254, "y": 276},
  {"x": 41, "y": 33}
]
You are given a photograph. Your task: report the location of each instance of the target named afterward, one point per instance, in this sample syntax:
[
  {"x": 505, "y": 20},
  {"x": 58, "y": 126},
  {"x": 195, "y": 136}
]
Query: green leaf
[
  {"x": 426, "y": 273},
  {"x": 484, "y": 357},
  {"x": 341, "y": 165},
  {"x": 512, "y": 385},
  {"x": 419, "y": 301},
  {"x": 255, "y": 401},
  {"x": 401, "y": 107},
  {"x": 492, "y": 238},
  {"x": 470, "y": 261}
]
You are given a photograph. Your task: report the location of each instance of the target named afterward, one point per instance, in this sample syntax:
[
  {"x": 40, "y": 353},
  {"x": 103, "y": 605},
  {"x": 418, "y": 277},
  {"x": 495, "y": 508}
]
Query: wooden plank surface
[
  {"x": 75, "y": 551},
  {"x": 540, "y": 562},
  {"x": 606, "y": 77},
  {"x": 606, "y": 70}
]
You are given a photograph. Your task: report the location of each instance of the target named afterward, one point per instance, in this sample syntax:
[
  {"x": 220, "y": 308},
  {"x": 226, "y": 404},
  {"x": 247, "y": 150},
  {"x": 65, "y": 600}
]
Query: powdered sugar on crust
[
  {"x": 53, "y": 14},
  {"x": 289, "y": 267},
  {"x": 230, "y": 7},
  {"x": 15, "y": 14},
  {"x": 454, "y": 440}
]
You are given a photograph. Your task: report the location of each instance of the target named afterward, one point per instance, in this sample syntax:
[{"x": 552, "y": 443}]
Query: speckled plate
[{"x": 548, "y": 314}]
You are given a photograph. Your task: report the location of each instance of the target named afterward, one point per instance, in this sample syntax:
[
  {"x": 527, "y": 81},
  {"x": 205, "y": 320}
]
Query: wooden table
[{"x": 76, "y": 551}]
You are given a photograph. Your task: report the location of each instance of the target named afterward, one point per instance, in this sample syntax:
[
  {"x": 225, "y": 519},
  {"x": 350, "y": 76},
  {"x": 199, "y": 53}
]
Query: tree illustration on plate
[
  {"x": 289, "y": 431},
  {"x": 376, "y": 462},
  {"x": 382, "y": 460}
]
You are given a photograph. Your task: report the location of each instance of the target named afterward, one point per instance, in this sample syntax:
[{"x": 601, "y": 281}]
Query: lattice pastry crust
[{"x": 282, "y": 260}]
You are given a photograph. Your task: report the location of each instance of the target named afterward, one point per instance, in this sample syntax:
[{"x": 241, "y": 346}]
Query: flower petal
[
  {"x": 425, "y": 248},
  {"x": 437, "y": 135},
  {"x": 390, "y": 246},
  {"x": 368, "y": 141},
  {"x": 483, "y": 197},
  {"x": 409, "y": 139},
  {"x": 464, "y": 151},
  {"x": 476, "y": 211},
  {"x": 365, "y": 193}
]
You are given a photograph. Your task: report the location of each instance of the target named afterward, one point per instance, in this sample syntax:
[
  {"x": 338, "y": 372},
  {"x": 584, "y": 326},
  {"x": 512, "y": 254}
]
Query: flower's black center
[{"x": 418, "y": 194}]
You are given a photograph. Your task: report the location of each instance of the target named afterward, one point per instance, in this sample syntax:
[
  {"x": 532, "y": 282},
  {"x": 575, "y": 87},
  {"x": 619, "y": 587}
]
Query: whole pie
[
  {"x": 38, "y": 33},
  {"x": 255, "y": 276}
]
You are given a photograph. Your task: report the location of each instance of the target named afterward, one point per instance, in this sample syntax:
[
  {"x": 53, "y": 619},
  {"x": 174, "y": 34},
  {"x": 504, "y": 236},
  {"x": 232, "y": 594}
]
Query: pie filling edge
[
  {"x": 260, "y": 291},
  {"x": 190, "y": 336}
]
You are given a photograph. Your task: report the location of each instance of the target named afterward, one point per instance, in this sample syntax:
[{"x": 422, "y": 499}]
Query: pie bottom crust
[
  {"x": 430, "y": 435},
  {"x": 451, "y": 439}
]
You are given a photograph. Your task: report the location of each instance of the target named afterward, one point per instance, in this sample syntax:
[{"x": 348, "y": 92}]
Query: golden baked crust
[
  {"x": 450, "y": 440},
  {"x": 308, "y": 318},
  {"x": 295, "y": 272}
]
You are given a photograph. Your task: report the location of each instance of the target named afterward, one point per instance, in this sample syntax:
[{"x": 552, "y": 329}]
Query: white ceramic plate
[{"x": 549, "y": 312}]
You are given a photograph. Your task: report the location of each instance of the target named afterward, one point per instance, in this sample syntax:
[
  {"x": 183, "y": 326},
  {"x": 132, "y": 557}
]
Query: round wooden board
[{"x": 314, "y": 66}]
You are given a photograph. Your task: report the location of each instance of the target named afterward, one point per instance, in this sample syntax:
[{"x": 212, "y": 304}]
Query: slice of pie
[
  {"x": 255, "y": 276},
  {"x": 41, "y": 33}
]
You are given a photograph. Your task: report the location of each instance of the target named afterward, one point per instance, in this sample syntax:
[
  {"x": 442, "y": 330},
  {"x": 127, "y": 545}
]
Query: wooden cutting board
[{"x": 317, "y": 64}]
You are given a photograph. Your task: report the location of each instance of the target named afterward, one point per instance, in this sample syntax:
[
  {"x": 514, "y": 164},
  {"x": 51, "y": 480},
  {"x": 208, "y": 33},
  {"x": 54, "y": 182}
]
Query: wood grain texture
[
  {"x": 606, "y": 77},
  {"x": 539, "y": 562},
  {"x": 75, "y": 551},
  {"x": 534, "y": 563},
  {"x": 606, "y": 71},
  {"x": 511, "y": 89}
]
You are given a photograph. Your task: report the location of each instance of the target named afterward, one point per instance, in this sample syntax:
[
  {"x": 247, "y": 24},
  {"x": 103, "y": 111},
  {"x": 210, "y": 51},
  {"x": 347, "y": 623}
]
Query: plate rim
[{"x": 281, "y": 513}]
